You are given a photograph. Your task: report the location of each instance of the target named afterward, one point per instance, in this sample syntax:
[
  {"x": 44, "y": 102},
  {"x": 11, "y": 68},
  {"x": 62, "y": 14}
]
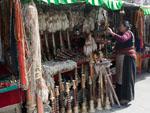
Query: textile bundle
[
  {"x": 52, "y": 68},
  {"x": 90, "y": 46},
  {"x": 37, "y": 83},
  {"x": 139, "y": 23},
  {"x": 53, "y": 22}
]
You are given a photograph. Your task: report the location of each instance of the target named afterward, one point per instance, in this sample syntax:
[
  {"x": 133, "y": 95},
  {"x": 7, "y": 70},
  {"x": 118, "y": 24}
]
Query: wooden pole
[
  {"x": 40, "y": 108},
  {"x": 30, "y": 98}
]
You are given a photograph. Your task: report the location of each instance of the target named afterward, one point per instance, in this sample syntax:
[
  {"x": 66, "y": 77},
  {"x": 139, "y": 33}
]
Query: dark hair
[{"x": 127, "y": 25}]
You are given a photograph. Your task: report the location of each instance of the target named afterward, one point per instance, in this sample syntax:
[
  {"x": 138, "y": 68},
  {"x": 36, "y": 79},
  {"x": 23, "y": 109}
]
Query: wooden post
[
  {"x": 30, "y": 98},
  {"x": 40, "y": 108}
]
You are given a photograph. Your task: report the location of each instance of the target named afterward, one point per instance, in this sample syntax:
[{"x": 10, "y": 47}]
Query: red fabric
[
  {"x": 125, "y": 37},
  {"x": 128, "y": 51},
  {"x": 4, "y": 84},
  {"x": 146, "y": 56},
  {"x": 12, "y": 97},
  {"x": 20, "y": 42}
]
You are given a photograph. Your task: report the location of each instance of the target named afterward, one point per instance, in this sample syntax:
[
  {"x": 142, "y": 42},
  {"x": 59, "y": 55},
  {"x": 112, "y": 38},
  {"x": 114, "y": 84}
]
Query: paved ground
[{"x": 141, "y": 104}]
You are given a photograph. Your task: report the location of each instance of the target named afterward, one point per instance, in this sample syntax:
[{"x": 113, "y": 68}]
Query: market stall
[
  {"x": 62, "y": 55},
  {"x": 70, "y": 56},
  {"x": 69, "y": 37},
  {"x": 139, "y": 18},
  {"x": 146, "y": 53}
]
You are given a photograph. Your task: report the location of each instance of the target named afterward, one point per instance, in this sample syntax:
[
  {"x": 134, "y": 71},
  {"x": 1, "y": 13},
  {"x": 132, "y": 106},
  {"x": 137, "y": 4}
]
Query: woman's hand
[{"x": 109, "y": 30}]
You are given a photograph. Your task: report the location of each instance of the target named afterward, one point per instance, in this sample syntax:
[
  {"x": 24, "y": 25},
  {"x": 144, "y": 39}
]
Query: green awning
[
  {"x": 57, "y": 2},
  {"x": 109, "y": 4},
  {"x": 146, "y": 10},
  {"x": 113, "y": 4},
  {"x": 95, "y": 2}
]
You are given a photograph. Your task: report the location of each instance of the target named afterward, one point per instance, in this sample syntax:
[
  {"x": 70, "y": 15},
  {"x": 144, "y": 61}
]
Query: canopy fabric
[
  {"x": 146, "y": 10},
  {"x": 113, "y": 4},
  {"x": 95, "y": 2},
  {"x": 109, "y": 4},
  {"x": 57, "y": 2}
]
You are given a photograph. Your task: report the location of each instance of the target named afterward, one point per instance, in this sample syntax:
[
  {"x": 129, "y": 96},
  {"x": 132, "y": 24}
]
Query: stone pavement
[{"x": 141, "y": 104}]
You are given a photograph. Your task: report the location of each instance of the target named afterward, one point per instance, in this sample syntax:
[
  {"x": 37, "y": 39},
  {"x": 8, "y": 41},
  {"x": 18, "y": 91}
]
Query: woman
[{"x": 125, "y": 63}]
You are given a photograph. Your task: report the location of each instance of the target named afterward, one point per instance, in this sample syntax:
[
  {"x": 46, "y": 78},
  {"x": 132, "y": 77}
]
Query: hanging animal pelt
[
  {"x": 34, "y": 58},
  {"x": 20, "y": 43}
]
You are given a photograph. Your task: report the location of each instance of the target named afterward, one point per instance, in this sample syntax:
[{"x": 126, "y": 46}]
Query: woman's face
[{"x": 122, "y": 28}]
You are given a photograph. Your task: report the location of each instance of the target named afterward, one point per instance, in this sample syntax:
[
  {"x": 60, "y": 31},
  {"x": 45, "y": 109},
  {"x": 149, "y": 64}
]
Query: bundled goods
[
  {"x": 89, "y": 21},
  {"x": 52, "y": 68},
  {"x": 139, "y": 24},
  {"x": 88, "y": 24},
  {"x": 90, "y": 45},
  {"x": 59, "y": 21},
  {"x": 34, "y": 66},
  {"x": 75, "y": 18},
  {"x": 101, "y": 14},
  {"x": 32, "y": 31},
  {"x": 64, "y": 22},
  {"x": 53, "y": 22},
  {"x": 72, "y": 19},
  {"x": 42, "y": 22}
]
